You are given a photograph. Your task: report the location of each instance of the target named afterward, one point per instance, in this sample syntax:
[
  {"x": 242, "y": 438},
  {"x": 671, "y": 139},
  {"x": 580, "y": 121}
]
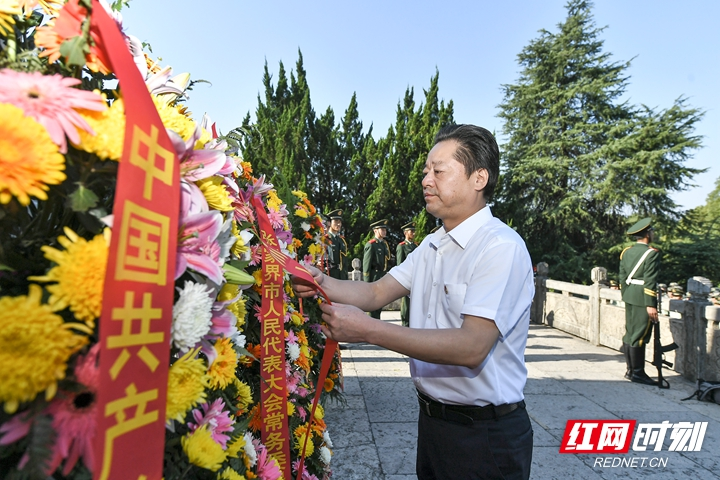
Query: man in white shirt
[{"x": 470, "y": 286}]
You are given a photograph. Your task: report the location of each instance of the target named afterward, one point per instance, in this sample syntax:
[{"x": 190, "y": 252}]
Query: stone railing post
[
  {"x": 356, "y": 274},
  {"x": 537, "y": 311},
  {"x": 699, "y": 288},
  {"x": 599, "y": 278}
]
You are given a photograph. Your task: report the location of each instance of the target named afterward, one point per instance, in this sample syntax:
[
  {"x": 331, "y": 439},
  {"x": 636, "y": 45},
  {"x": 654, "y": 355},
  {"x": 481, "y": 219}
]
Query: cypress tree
[{"x": 578, "y": 159}]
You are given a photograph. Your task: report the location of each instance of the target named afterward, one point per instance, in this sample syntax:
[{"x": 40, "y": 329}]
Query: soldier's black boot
[
  {"x": 637, "y": 360},
  {"x": 625, "y": 349}
]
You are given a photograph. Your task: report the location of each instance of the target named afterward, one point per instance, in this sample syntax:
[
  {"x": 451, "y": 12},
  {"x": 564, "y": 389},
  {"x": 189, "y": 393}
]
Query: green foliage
[
  {"x": 336, "y": 164},
  {"x": 578, "y": 159}
]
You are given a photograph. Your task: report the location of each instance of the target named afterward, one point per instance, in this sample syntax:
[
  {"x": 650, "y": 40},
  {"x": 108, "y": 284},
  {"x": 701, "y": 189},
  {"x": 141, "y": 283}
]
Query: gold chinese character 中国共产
[
  {"x": 142, "y": 254},
  {"x": 142, "y": 143}
]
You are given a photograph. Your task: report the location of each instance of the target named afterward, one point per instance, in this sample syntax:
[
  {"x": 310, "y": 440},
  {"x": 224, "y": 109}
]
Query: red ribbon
[
  {"x": 139, "y": 281},
  {"x": 271, "y": 247}
]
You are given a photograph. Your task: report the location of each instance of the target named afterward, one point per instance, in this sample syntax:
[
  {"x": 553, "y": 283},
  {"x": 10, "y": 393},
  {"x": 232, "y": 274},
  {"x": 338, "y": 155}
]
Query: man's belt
[
  {"x": 464, "y": 414},
  {"x": 633, "y": 281}
]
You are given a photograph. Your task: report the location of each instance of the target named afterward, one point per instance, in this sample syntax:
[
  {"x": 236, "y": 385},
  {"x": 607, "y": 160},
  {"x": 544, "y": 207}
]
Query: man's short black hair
[{"x": 476, "y": 149}]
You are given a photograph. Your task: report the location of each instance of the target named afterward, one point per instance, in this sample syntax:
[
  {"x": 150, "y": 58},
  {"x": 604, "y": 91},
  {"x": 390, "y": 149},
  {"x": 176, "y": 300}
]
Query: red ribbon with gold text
[
  {"x": 138, "y": 293},
  {"x": 278, "y": 261}
]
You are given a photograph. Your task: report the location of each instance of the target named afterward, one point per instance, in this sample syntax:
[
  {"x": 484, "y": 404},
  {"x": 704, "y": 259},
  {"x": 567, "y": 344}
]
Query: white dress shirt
[{"x": 480, "y": 268}]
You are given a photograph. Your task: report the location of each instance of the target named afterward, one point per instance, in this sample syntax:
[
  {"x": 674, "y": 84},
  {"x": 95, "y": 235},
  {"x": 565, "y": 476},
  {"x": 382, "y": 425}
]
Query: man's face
[
  {"x": 409, "y": 235},
  {"x": 335, "y": 225},
  {"x": 449, "y": 194},
  {"x": 380, "y": 232}
]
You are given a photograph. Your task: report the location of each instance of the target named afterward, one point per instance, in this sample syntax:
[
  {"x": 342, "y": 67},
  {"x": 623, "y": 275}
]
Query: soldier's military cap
[
  {"x": 380, "y": 224},
  {"x": 409, "y": 226},
  {"x": 676, "y": 289},
  {"x": 673, "y": 284},
  {"x": 335, "y": 214},
  {"x": 640, "y": 226},
  {"x": 614, "y": 283}
]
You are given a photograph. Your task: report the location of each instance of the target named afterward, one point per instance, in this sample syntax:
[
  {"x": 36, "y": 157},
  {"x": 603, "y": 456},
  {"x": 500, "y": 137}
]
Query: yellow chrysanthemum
[
  {"x": 50, "y": 7},
  {"x": 239, "y": 248},
  {"x": 273, "y": 201},
  {"x": 235, "y": 445},
  {"x": 300, "y": 433},
  {"x": 108, "y": 144},
  {"x": 222, "y": 370},
  {"x": 296, "y": 319},
  {"x": 290, "y": 409},
  {"x": 244, "y": 396},
  {"x": 228, "y": 292},
  {"x": 187, "y": 381},
  {"x": 109, "y": 127},
  {"x": 319, "y": 412},
  {"x": 230, "y": 474},
  {"x": 216, "y": 193},
  {"x": 79, "y": 273},
  {"x": 300, "y": 194},
  {"x": 8, "y": 8},
  {"x": 258, "y": 280},
  {"x": 175, "y": 120},
  {"x": 314, "y": 249},
  {"x": 29, "y": 159},
  {"x": 202, "y": 450},
  {"x": 300, "y": 212},
  {"x": 35, "y": 345}
]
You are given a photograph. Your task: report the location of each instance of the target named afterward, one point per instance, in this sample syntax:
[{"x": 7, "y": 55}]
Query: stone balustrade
[{"x": 596, "y": 313}]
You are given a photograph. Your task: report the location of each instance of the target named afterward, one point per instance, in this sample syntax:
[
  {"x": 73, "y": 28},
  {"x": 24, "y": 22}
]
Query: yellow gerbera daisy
[
  {"x": 80, "y": 274},
  {"x": 29, "y": 159},
  {"x": 222, "y": 370},
  {"x": 215, "y": 193},
  {"x": 202, "y": 450},
  {"x": 8, "y": 8},
  {"x": 35, "y": 345},
  {"x": 187, "y": 381},
  {"x": 230, "y": 474}
]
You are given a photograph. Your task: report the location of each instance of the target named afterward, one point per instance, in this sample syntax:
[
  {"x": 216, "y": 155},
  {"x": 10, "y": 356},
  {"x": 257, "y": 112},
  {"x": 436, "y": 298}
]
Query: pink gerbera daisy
[
  {"x": 74, "y": 417},
  {"x": 52, "y": 100}
]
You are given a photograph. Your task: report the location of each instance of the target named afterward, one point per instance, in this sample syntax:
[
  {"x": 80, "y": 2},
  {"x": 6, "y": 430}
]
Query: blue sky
[{"x": 379, "y": 48}]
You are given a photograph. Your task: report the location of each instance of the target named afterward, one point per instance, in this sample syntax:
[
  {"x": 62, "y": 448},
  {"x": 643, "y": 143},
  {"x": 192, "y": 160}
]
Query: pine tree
[{"x": 577, "y": 158}]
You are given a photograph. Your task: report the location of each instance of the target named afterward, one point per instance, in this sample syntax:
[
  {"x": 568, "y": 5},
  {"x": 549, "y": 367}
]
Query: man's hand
[
  {"x": 652, "y": 314},
  {"x": 345, "y": 323},
  {"x": 305, "y": 289}
]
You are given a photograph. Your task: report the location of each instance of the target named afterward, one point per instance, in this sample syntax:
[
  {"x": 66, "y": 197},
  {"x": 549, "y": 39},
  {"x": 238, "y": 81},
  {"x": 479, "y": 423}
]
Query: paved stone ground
[{"x": 374, "y": 436}]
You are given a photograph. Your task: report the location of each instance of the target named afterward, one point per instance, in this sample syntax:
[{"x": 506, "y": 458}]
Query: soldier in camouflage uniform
[
  {"x": 639, "y": 265},
  {"x": 336, "y": 247},
  {"x": 404, "y": 249},
  {"x": 376, "y": 257}
]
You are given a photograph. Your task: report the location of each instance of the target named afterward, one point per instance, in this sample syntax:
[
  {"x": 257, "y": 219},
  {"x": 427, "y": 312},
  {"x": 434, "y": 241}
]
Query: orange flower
[
  {"x": 329, "y": 384},
  {"x": 69, "y": 25},
  {"x": 255, "y": 421}
]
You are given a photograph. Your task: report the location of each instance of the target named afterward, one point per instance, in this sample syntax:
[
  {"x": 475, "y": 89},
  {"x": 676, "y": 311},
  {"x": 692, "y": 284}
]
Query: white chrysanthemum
[
  {"x": 250, "y": 452},
  {"x": 192, "y": 315},
  {"x": 305, "y": 226},
  {"x": 326, "y": 439},
  {"x": 293, "y": 350},
  {"x": 325, "y": 455},
  {"x": 240, "y": 341}
]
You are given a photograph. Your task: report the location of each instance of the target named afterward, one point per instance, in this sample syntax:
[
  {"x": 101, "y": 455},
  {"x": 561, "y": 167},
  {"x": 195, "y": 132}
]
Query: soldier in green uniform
[
  {"x": 376, "y": 257},
  {"x": 403, "y": 250},
  {"x": 639, "y": 265},
  {"x": 336, "y": 247}
]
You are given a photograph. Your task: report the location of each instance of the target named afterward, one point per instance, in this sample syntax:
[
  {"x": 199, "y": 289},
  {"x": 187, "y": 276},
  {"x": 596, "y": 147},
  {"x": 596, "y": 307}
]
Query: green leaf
[
  {"x": 82, "y": 199},
  {"x": 74, "y": 50}
]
